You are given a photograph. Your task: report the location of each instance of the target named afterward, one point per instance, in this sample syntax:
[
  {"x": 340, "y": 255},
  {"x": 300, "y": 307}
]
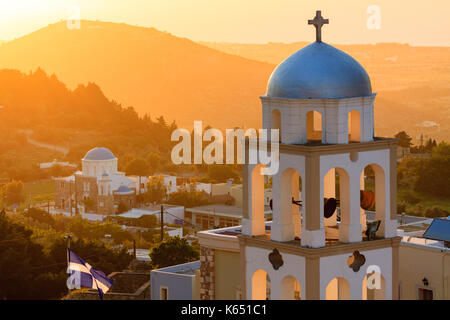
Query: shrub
[
  {"x": 40, "y": 216},
  {"x": 436, "y": 212},
  {"x": 411, "y": 198},
  {"x": 401, "y": 207}
]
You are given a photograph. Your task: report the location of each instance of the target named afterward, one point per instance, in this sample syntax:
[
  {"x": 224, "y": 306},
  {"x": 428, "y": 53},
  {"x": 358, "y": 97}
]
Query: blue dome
[
  {"x": 319, "y": 71},
  {"x": 123, "y": 189},
  {"x": 99, "y": 154}
]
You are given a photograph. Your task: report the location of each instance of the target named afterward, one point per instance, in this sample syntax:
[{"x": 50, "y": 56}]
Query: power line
[{"x": 184, "y": 221}]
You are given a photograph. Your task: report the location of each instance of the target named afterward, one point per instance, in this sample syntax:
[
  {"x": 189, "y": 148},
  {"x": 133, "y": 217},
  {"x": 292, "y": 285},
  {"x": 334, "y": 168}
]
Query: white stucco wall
[
  {"x": 334, "y": 114},
  {"x": 336, "y": 267},
  {"x": 258, "y": 259}
]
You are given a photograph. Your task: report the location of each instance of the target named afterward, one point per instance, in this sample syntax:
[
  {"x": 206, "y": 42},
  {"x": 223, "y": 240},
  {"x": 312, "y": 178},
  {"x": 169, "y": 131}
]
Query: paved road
[{"x": 36, "y": 143}]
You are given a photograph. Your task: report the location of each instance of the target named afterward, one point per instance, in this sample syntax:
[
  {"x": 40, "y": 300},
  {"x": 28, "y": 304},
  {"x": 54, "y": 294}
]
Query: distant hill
[
  {"x": 220, "y": 83},
  {"x": 390, "y": 65},
  {"x": 153, "y": 71}
]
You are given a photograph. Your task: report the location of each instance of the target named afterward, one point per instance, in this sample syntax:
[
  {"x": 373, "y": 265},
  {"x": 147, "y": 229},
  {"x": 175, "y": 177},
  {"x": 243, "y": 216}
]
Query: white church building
[
  {"x": 100, "y": 181},
  {"x": 320, "y": 246}
]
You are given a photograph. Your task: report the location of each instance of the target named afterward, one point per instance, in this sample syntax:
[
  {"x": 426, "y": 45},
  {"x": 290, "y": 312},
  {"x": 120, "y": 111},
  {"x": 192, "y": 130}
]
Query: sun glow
[{"x": 250, "y": 21}]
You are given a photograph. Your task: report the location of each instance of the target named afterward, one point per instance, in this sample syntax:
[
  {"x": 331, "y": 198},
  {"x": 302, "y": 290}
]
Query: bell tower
[{"x": 334, "y": 228}]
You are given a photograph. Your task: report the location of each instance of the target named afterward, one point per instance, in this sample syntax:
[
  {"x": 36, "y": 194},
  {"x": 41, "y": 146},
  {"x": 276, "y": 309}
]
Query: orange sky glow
[{"x": 416, "y": 22}]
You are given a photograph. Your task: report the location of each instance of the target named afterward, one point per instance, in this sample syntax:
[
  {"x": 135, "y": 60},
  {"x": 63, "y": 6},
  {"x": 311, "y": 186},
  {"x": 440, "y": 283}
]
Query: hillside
[
  {"x": 391, "y": 66},
  {"x": 153, "y": 71},
  {"x": 411, "y": 82},
  {"x": 77, "y": 119},
  {"x": 220, "y": 83}
]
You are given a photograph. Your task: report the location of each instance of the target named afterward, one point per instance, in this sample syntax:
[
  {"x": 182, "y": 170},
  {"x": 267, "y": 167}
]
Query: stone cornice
[
  {"x": 319, "y": 252},
  {"x": 309, "y": 101},
  {"x": 325, "y": 149}
]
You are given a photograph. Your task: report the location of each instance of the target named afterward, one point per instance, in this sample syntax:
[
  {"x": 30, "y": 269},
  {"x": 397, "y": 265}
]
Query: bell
[
  {"x": 367, "y": 199},
  {"x": 329, "y": 207}
]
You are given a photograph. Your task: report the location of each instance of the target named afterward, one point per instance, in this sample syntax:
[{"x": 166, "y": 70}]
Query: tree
[
  {"x": 85, "y": 229},
  {"x": 188, "y": 197},
  {"x": 154, "y": 161},
  {"x": 404, "y": 140},
  {"x": 430, "y": 145},
  {"x": 40, "y": 216},
  {"x": 138, "y": 167},
  {"x": 441, "y": 150},
  {"x": 221, "y": 173},
  {"x": 173, "y": 251},
  {"x": 13, "y": 192},
  {"x": 434, "y": 176},
  {"x": 96, "y": 253},
  {"x": 24, "y": 265},
  {"x": 156, "y": 189},
  {"x": 436, "y": 212}
]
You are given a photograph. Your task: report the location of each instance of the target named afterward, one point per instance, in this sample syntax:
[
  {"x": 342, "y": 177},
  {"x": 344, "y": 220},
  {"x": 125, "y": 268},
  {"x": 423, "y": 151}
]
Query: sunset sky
[{"x": 416, "y": 22}]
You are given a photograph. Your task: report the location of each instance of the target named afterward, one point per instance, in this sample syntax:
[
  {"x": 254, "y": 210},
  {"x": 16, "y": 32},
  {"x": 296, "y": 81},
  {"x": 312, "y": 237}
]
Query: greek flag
[{"x": 81, "y": 274}]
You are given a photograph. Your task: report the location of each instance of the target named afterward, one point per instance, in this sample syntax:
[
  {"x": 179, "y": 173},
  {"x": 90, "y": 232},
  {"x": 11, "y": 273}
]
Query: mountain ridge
[
  {"x": 161, "y": 74},
  {"x": 153, "y": 71}
]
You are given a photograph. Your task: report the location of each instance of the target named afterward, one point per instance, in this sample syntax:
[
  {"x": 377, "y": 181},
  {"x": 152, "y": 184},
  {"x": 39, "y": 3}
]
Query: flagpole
[{"x": 68, "y": 257}]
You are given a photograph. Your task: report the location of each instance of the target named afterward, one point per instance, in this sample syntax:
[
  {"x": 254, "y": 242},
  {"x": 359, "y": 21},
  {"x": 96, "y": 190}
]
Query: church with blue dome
[{"x": 100, "y": 181}]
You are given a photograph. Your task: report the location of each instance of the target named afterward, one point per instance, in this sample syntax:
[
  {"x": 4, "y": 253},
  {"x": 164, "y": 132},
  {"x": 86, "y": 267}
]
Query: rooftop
[
  {"x": 231, "y": 235},
  {"x": 425, "y": 243},
  {"x": 150, "y": 210},
  {"x": 185, "y": 268},
  {"x": 222, "y": 210}
]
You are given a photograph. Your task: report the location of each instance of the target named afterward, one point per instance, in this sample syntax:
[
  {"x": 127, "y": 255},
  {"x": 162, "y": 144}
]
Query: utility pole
[
  {"x": 68, "y": 259},
  {"x": 70, "y": 197},
  {"x": 162, "y": 223},
  {"x": 76, "y": 196},
  {"x": 69, "y": 236}
]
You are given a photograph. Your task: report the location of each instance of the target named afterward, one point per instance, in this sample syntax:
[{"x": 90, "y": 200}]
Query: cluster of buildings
[{"x": 107, "y": 188}]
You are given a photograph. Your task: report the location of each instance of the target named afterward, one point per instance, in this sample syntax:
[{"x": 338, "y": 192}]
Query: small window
[
  {"x": 425, "y": 294},
  {"x": 164, "y": 294}
]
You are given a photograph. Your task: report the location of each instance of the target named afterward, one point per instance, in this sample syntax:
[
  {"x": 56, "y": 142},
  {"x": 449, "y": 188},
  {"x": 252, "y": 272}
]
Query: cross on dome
[{"x": 318, "y": 22}]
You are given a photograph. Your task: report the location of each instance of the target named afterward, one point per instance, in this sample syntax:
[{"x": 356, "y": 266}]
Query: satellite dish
[
  {"x": 329, "y": 207},
  {"x": 367, "y": 199}
]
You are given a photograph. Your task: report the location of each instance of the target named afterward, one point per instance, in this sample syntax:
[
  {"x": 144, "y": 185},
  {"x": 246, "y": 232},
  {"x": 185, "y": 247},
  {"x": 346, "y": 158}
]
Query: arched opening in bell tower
[
  {"x": 254, "y": 211},
  {"x": 276, "y": 121},
  {"x": 338, "y": 289},
  {"x": 291, "y": 202},
  {"x": 336, "y": 202},
  {"x": 373, "y": 195},
  {"x": 314, "y": 127},
  {"x": 260, "y": 285},
  {"x": 354, "y": 126},
  {"x": 290, "y": 289}
]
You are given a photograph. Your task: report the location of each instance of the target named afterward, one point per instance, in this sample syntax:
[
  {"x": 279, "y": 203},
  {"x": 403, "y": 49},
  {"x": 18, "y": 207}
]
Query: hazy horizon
[{"x": 265, "y": 21}]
